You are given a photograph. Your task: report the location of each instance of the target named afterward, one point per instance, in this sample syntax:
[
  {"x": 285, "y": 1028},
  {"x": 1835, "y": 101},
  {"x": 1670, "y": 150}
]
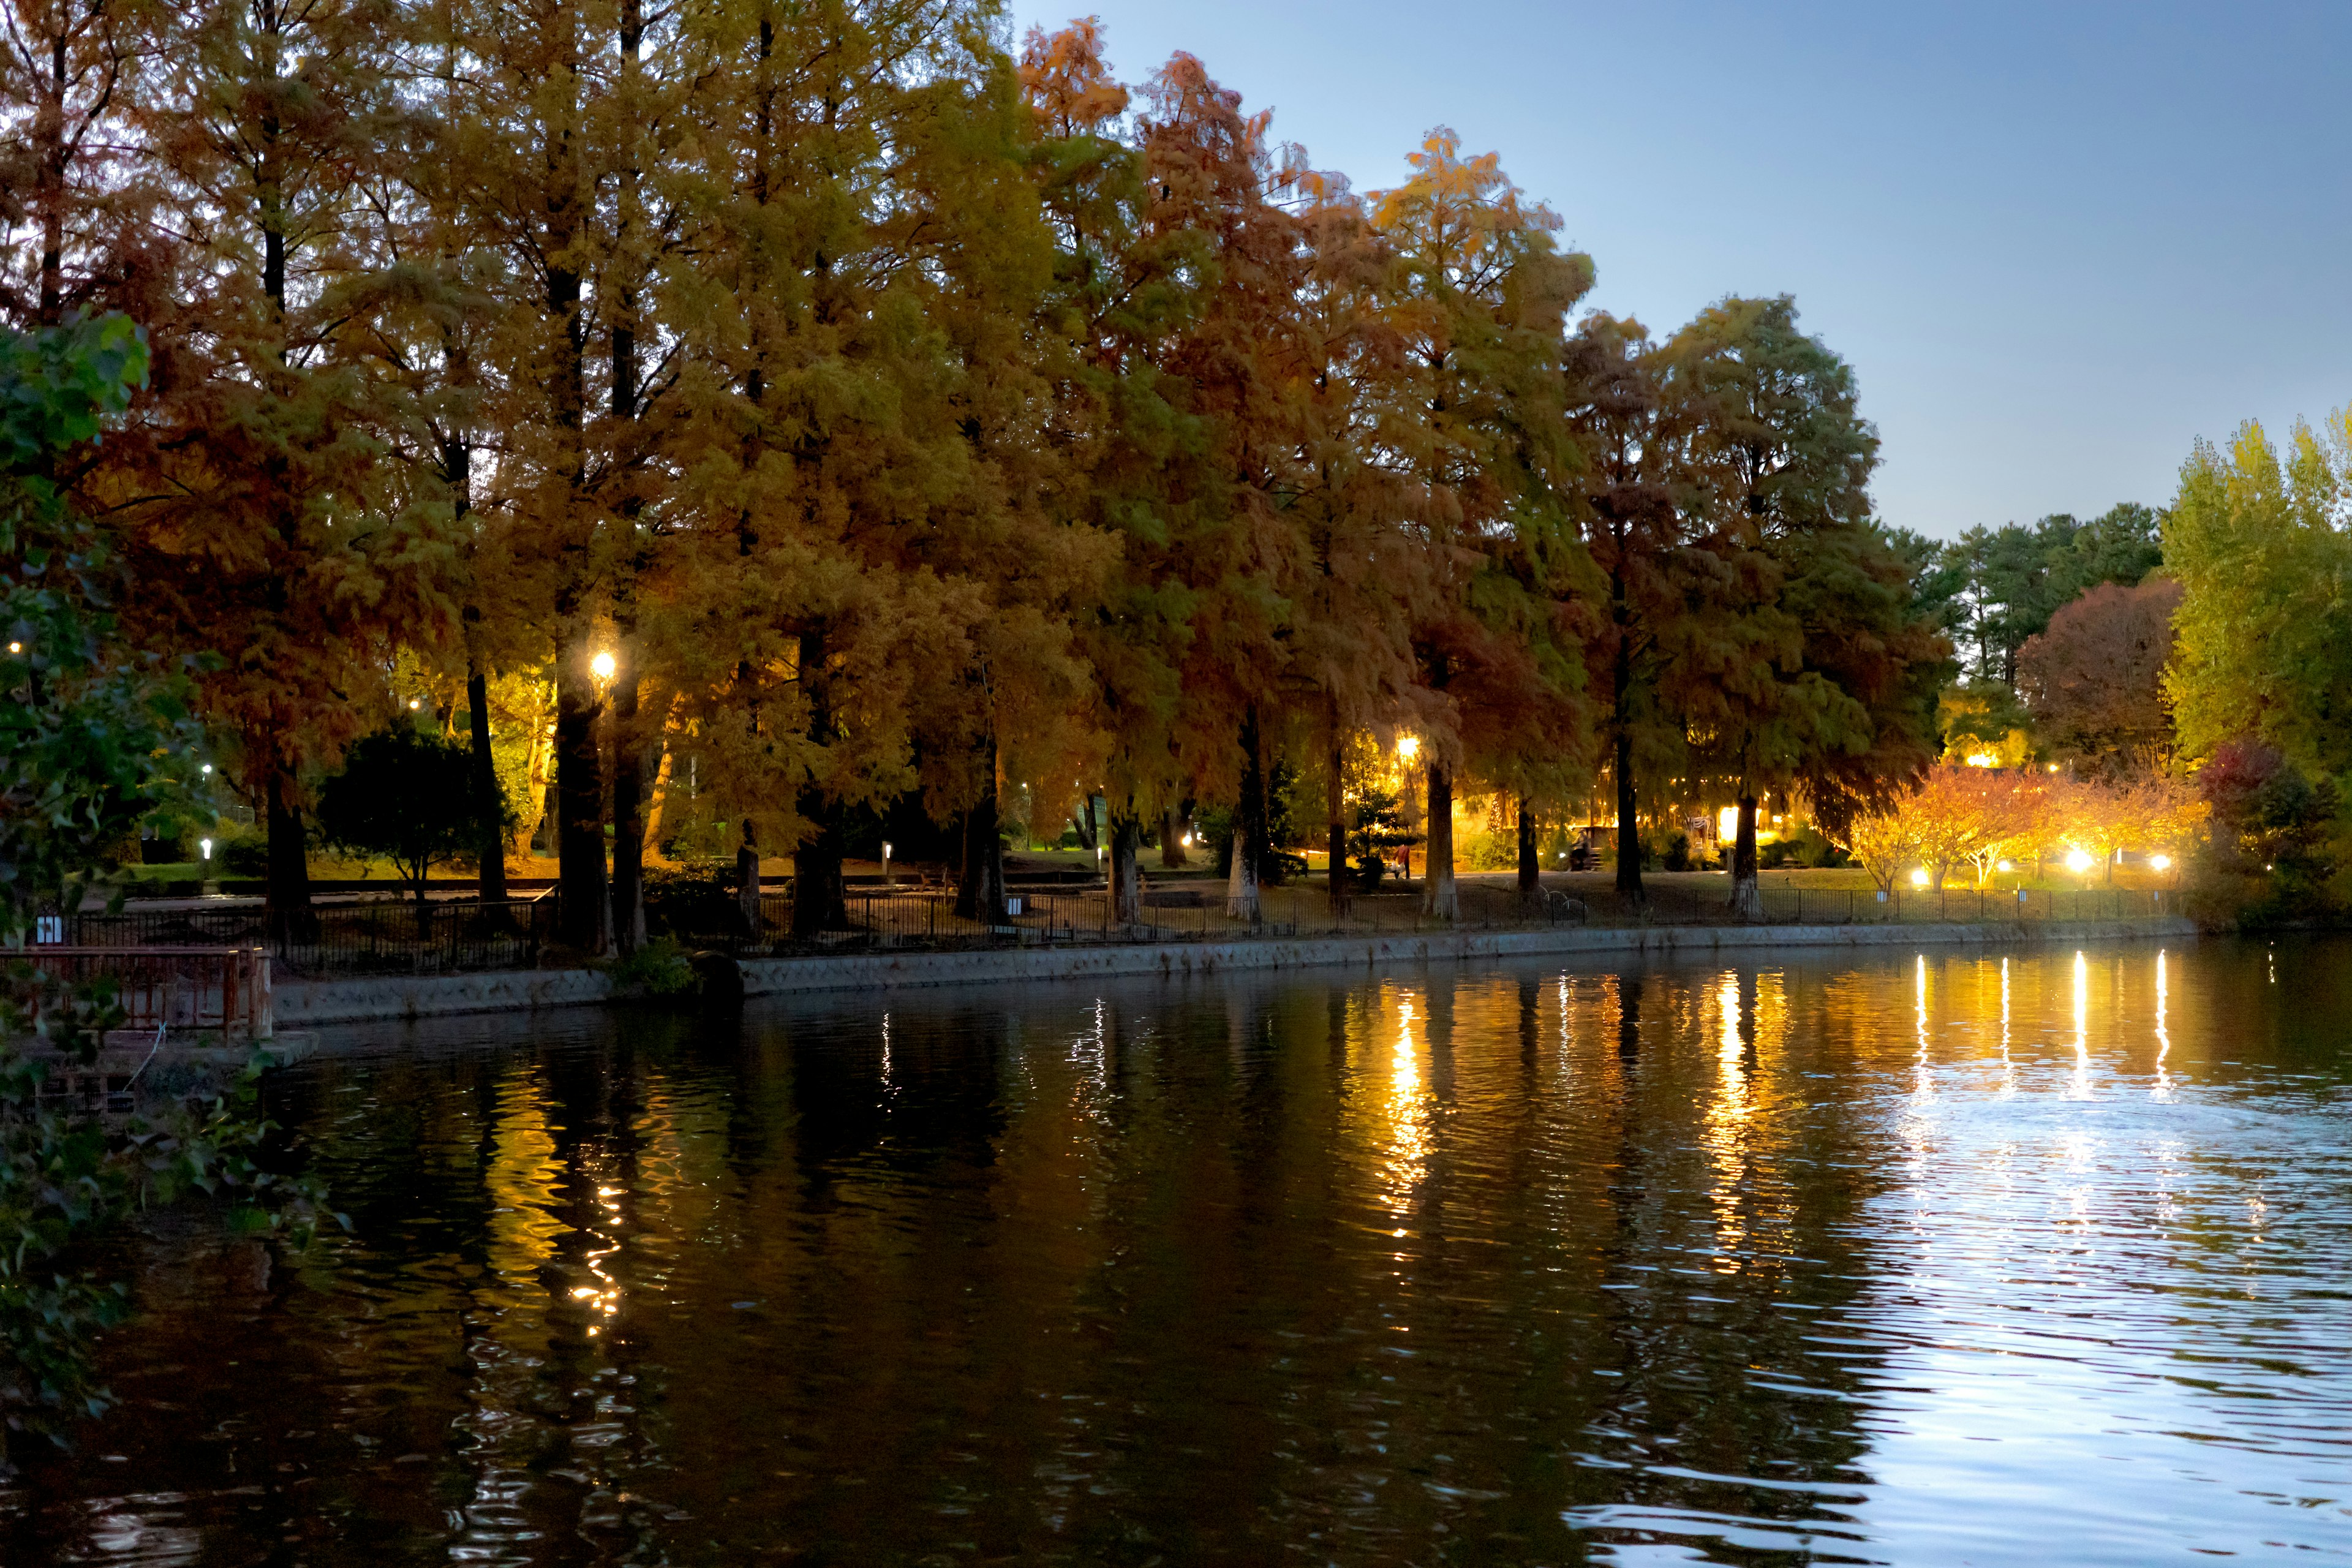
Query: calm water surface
[{"x": 1952, "y": 1258}]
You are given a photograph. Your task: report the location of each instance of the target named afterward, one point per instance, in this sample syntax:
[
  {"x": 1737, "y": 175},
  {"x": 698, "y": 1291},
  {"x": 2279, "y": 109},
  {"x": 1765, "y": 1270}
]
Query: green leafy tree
[
  {"x": 1808, "y": 652},
  {"x": 96, "y": 736},
  {"x": 2264, "y": 626},
  {"x": 406, "y": 795}
]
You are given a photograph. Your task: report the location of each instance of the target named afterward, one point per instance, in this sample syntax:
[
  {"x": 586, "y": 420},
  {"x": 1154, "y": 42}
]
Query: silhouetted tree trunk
[
  {"x": 1439, "y": 897},
  {"x": 287, "y": 890},
  {"x": 1747, "y": 893},
  {"x": 1335, "y": 824},
  {"x": 980, "y": 891},
  {"x": 1126, "y": 874},
  {"x": 819, "y": 900},
  {"x": 1628, "y": 824},
  {"x": 490, "y": 804},
  {"x": 582, "y": 914},
  {"x": 1242, "y": 901},
  {"x": 1530, "y": 871}
]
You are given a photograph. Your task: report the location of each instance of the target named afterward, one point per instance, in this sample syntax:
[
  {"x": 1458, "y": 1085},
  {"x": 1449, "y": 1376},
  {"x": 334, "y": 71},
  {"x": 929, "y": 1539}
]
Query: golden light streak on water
[
  {"x": 2082, "y": 1086},
  {"x": 2163, "y": 1090}
]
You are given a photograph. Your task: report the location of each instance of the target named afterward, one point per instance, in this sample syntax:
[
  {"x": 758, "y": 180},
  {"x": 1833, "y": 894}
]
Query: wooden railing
[{"x": 196, "y": 989}]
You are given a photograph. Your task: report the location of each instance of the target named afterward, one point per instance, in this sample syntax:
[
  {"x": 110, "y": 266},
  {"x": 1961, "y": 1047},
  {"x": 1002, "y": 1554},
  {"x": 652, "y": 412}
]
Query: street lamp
[
  {"x": 2078, "y": 861},
  {"x": 1407, "y": 747},
  {"x": 602, "y": 665},
  {"x": 1920, "y": 876},
  {"x": 886, "y": 862}
]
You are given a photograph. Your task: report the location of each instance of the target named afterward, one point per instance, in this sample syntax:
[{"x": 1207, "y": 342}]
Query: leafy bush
[
  {"x": 660, "y": 968},
  {"x": 406, "y": 795},
  {"x": 94, "y": 738},
  {"x": 1677, "y": 856},
  {"x": 698, "y": 900}
]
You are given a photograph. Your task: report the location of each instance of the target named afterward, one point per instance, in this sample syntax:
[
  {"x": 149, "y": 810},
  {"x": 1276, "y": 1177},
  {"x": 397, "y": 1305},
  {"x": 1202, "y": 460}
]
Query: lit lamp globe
[
  {"x": 603, "y": 665},
  {"x": 2161, "y": 862},
  {"x": 2078, "y": 861},
  {"x": 1919, "y": 876}
]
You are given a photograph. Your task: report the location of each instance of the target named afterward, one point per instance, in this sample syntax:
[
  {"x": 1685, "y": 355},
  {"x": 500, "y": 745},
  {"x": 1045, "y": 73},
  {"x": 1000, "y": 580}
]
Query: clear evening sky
[{"x": 2057, "y": 242}]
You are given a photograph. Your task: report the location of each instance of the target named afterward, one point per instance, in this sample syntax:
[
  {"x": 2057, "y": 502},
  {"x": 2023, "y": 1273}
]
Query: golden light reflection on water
[
  {"x": 1409, "y": 1115},
  {"x": 2008, "y": 1067},
  {"x": 2163, "y": 1090},
  {"x": 2081, "y": 1087},
  {"x": 522, "y": 1178},
  {"x": 1921, "y": 1082}
]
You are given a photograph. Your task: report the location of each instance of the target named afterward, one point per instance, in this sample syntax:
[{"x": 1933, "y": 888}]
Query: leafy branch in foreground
[{"x": 96, "y": 737}]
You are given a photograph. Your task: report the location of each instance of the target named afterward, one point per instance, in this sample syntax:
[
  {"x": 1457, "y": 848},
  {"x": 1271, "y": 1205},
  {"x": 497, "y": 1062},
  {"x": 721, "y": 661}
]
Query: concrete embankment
[{"x": 302, "y": 1005}]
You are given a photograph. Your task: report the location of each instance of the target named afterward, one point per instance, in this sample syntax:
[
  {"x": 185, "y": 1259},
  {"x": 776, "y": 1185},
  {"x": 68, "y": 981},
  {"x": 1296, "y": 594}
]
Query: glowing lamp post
[
  {"x": 604, "y": 665},
  {"x": 886, "y": 862}
]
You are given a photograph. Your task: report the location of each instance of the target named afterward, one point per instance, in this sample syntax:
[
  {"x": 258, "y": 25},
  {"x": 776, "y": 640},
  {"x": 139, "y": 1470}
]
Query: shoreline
[{"x": 307, "y": 1004}]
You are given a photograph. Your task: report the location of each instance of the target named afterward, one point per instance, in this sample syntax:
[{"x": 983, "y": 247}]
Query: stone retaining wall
[{"x": 307, "y": 1004}]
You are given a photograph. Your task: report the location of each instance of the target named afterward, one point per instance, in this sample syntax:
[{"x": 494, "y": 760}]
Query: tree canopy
[{"x": 834, "y": 411}]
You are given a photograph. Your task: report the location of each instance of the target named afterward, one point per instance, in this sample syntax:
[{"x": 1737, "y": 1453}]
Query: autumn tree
[
  {"x": 2095, "y": 679},
  {"x": 255, "y": 499},
  {"x": 1479, "y": 299},
  {"x": 1637, "y": 534},
  {"x": 1809, "y": 653}
]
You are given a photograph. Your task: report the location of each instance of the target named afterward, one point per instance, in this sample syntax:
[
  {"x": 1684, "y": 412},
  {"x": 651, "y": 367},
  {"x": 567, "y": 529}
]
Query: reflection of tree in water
[
  {"x": 1393, "y": 1270},
  {"x": 1729, "y": 1247}
]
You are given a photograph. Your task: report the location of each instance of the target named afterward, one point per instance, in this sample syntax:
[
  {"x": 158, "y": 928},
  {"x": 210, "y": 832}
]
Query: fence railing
[
  {"x": 385, "y": 938},
  {"x": 223, "y": 989},
  {"x": 456, "y": 936}
]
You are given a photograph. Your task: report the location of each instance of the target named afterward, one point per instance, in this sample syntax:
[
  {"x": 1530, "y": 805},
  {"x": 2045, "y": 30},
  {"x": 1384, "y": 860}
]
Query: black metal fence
[
  {"x": 443, "y": 936},
  {"x": 452, "y": 936}
]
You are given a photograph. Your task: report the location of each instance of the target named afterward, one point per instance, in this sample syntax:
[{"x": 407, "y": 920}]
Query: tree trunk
[
  {"x": 1242, "y": 901},
  {"x": 1172, "y": 842},
  {"x": 582, "y": 912},
  {"x": 747, "y": 884},
  {"x": 1082, "y": 823},
  {"x": 489, "y": 803},
  {"x": 1126, "y": 875},
  {"x": 1629, "y": 824},
  {"x": 1747, "y": 893},
  {"x": 1530, "y": 871},
  {"x": 980, "y": 891},
  {"x": 1335, "y": 827},
  {"x": 1439, "y": 897},
  {"x": 629, "y": 819},
  {"x": 819, "y": 900},
  {"x": 288, "y": 889}
]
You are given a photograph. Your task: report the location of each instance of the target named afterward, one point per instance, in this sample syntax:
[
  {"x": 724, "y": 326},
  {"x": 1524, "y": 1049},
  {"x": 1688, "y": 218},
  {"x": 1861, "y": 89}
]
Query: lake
[{"x": 1944, "y": 1256}]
